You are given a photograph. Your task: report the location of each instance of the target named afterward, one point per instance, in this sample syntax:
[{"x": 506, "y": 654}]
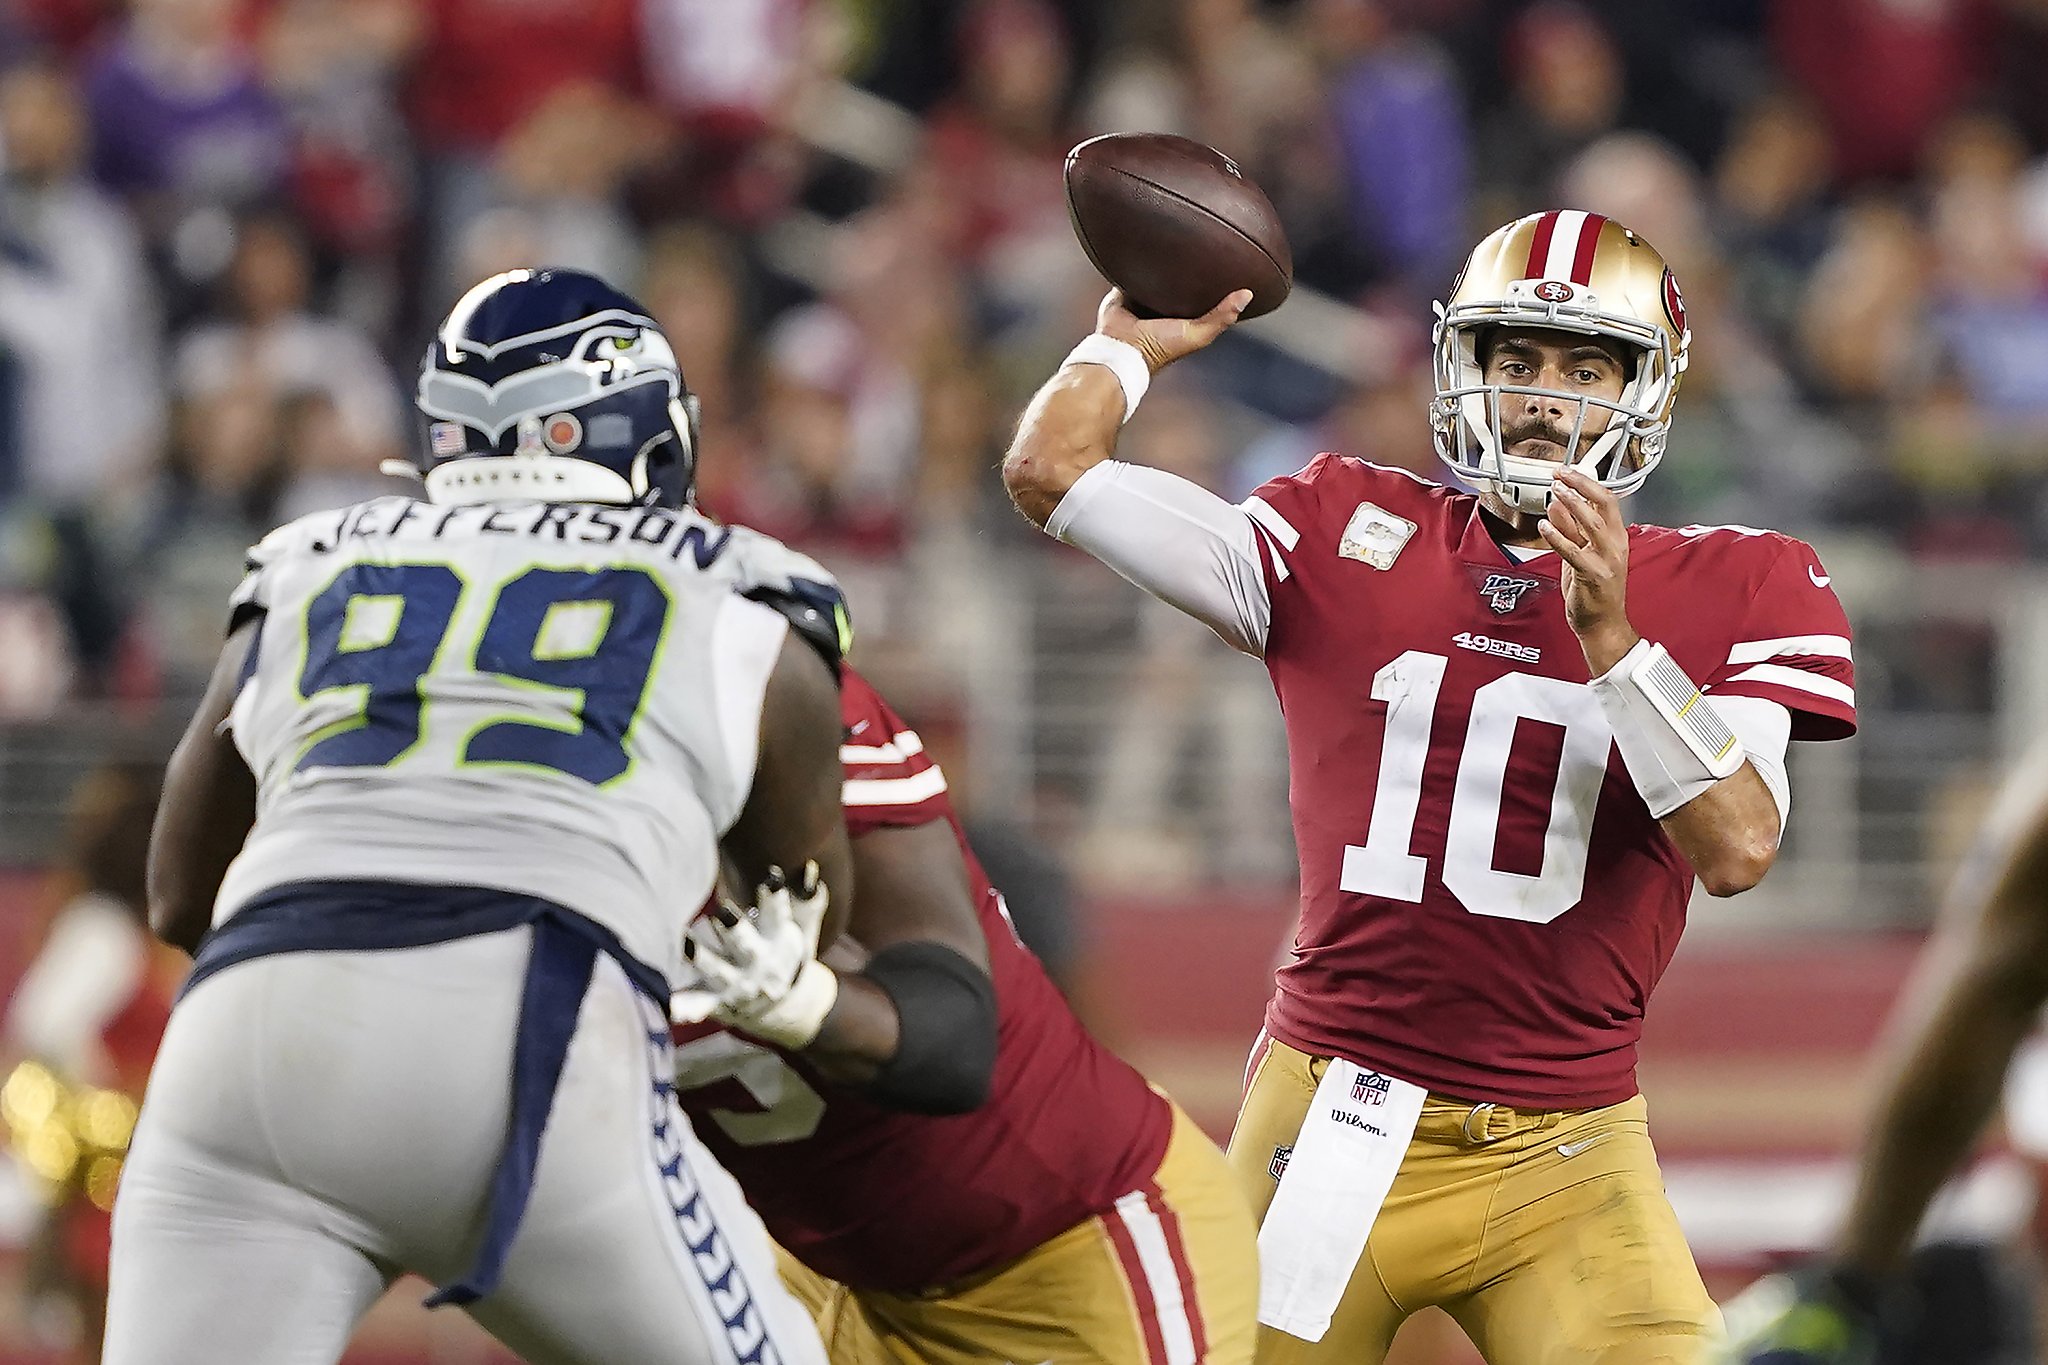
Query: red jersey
[
  {"x": 1486, "y": 903},
  {"x": 879, "y": 1199}
]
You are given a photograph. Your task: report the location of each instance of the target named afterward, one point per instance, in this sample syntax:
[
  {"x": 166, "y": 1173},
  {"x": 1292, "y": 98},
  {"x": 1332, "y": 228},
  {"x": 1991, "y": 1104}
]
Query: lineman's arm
[
  {"x": 1171, "y": 537},
  {"x": 915, "y": 1021},
  {"x": 208, "y": 807},
  {"x": 1980, "y": 989},
  {"x": 793, "y": 814}
]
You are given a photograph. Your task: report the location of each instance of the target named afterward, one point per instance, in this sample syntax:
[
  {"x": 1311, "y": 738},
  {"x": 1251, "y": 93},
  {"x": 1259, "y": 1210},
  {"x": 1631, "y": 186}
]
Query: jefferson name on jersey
[{"x": 593, "y": 524}]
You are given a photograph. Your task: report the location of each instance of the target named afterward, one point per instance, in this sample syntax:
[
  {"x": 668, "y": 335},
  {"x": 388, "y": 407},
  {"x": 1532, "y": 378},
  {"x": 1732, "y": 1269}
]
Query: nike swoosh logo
[
  {"x": 1820, "y": 580},
  {"x": 1572, "y": 1149}
]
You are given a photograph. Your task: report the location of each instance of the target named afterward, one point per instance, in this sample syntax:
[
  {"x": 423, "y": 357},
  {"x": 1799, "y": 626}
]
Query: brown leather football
[{"x": 1176, "y": 225}]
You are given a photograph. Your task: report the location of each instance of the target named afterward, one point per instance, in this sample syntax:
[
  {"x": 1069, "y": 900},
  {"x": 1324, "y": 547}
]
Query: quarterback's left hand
[
  {"x": 761, "y": 974},
  {"x": 1586, "y": 528},
  {"x": 1808, "y": 1318}
]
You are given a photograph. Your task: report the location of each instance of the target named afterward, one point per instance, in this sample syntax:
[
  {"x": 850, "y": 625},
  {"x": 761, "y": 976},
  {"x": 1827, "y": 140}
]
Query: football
[{"x": 1176, "y": 225}]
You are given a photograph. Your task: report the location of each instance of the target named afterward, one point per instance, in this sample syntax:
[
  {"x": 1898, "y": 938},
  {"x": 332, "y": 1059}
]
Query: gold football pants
[
  {"x": 1547, "y": 1236},
  {"x": 1168, "y": 1277}
]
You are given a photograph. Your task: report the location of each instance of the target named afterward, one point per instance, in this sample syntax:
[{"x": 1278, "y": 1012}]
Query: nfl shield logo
[
  {"x": 1370, "y": 1087},
  {"x": 1277, "y": 1167},
  {"x": 1505, "y": 591}
]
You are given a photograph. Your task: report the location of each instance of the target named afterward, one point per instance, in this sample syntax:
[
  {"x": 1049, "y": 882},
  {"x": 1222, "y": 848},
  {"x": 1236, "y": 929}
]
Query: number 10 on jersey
[{"x": 1383, "y": 865}]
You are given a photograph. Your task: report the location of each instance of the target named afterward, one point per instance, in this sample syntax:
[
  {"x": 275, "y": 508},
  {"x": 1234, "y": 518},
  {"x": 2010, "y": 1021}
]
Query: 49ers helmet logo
[
  {"x": 1554, "y": 291},
  {"x": 1674, "y": 302}
]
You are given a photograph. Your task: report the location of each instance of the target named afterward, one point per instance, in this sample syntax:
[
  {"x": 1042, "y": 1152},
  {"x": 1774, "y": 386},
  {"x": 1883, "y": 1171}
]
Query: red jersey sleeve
[
  {"x": 1793, "y": 648},
  {"x": 1282, "y": 509},
  {"x": 890, "y": 780}
]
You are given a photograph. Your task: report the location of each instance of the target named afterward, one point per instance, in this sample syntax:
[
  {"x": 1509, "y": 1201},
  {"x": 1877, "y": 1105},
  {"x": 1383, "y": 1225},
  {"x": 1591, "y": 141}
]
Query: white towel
[{"x": 1351, "y": 1144}]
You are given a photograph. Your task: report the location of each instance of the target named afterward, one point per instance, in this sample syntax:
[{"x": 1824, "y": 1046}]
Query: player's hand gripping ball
[{"x": 759, "y": 972}]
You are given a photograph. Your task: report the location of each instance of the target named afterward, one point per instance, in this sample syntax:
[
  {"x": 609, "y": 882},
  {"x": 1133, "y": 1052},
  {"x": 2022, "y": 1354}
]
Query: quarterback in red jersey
[
  {"x": 1518, "y": 729},
  {"x": 1075, "y": 1214}
]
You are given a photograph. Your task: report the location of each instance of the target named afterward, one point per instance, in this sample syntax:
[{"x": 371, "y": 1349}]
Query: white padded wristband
[
  {"x": 1672, "y": 740},
  {"x": 1121, "y": 359}
]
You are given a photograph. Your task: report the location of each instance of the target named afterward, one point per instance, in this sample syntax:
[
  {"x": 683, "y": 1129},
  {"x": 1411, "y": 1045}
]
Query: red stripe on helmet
[
  {"x": 1589, "y": 242},
  {"x": 1539, "y": 246}
]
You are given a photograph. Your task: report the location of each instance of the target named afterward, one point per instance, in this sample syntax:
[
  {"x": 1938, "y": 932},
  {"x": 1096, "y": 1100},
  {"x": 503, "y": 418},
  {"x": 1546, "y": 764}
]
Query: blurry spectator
[
  {"x": 181, "y": 121},
  {"x": 1863, "y": 307},
  {"x": 1565, "y": 85},
  {"x": 219, "y": 496},
  {"x": 1383, "y": 418},
  {"x": 1884, "y": 72},
  {"x": 550, "y": 196},
  {"x": 695, "y": 288},
  {"x": 76, "y": 306},
  {"x": 267, "y": 336},
  {"x": 996, "y": 149},
  {"x": 333, "y": 66},
  {"x": 1991, "y": 309},
  {"x": 733, "y": 74},
  {"x": 1770, "y": 200},
  {"x": 1400, "y": 120},
  {"x": 832, "y": 411},
  {"x": 844, "y": 377},
  {"x": 1222, "y": 72},
  {"x": 483, "y": 68}
]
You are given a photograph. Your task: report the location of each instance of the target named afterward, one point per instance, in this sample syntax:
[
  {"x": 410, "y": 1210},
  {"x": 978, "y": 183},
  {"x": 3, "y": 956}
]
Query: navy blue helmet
[{"x": 552, "y": 385}]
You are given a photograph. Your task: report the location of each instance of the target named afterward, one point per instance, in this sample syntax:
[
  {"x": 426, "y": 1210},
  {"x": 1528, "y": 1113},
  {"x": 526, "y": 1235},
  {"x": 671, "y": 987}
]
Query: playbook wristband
[
  {"x": 1121, "y": 359},
  {"x": 1672, "y": 740}
]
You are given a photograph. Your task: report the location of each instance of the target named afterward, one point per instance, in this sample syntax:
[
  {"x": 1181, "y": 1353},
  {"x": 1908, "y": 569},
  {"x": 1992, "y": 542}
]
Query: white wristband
[
  {"x": 1121, "y": 359},
  {"x": 1672, "y": 740}
]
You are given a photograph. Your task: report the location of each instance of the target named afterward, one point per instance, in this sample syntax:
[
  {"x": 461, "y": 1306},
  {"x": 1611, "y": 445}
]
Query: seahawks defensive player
[{"x": 464, "y": 772}]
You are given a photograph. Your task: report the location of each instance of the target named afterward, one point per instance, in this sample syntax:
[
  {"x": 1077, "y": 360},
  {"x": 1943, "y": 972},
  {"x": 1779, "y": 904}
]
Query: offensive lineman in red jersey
[
  {"x": 1076, "y": 1215},
  {"x": 1504, "y": 781}
]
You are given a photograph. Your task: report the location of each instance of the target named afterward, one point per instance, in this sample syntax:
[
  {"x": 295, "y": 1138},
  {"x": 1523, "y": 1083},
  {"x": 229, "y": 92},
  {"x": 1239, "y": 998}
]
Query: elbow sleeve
[{"x": 946, "y": 1030}]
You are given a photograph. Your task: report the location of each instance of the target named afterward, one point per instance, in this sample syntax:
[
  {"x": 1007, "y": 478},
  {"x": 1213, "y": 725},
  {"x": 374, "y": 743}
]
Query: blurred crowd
[{"x": 226, "y": 227}]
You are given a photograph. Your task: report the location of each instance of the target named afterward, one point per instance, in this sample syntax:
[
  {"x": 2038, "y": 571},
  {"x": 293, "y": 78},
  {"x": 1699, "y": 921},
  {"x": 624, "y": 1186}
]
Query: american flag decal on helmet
[{"x": 1563, "y": 246}]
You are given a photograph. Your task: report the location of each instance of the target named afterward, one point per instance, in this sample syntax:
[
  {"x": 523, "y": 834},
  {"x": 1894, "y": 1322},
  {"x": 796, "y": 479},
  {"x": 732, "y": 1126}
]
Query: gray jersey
[{"x": 557, "y": 700}]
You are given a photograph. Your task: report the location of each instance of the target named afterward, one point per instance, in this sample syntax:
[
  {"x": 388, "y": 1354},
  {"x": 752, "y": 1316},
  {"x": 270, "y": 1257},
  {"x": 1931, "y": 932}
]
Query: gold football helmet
[{"x": 1576, "y": 272}]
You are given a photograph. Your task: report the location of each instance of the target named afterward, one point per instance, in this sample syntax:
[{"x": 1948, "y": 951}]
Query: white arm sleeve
[
  {"x": 1176, "y": 540},
  {"x": 1765, "y": 729}
]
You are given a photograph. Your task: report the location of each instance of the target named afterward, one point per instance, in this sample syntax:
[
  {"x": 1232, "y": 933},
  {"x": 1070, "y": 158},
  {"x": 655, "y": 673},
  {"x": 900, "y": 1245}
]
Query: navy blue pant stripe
[{"x": 557, "y": 977}]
